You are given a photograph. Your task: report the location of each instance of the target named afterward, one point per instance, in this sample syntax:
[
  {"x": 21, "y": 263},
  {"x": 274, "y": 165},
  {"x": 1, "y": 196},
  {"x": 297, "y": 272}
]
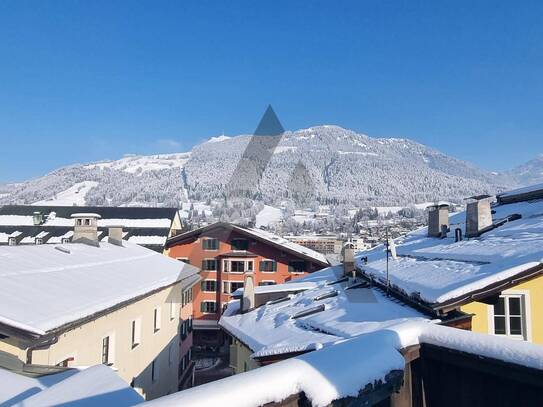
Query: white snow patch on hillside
[
  {"x": 135, "y": 164},
  {"x": 75, "y": 195},
  {"x": 268, "y": 216},
  {"x": 218, "y": 139}
]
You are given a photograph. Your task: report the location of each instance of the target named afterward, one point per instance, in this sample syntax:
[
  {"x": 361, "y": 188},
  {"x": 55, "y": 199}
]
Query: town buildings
[
  {"x": 327, "y": 244},
  {"x": 225, "y": 253},
  {"x": 35, "y": 224},
  {"x": 92, "y": 302}
]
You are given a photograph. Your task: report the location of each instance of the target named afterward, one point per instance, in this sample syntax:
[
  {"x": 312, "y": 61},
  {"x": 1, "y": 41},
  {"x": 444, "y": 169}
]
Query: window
[
  {"x": 154, "y": 371},
  {"x": 230, "y": 286},
  {"x": 170, "y": 355},
  {"x": 268, "y": 266},
  {"x": 12, "y": 241},
  {"x": 208, "y": 307},
  {"x": 184, "y": 259},
  {"x": 65, "y": 240},
  {"x": 296, "y": 266},
  {"x": 136, "y": 332},
  {"x": 39, "y": 240},
  {"x": 186, "y": 297},
  {"x": 210, "y": 244},
  {"x": 184, "y": 329},
  {"x": 87, "y": 222},
  {"x": 173, "y": 310},
  {"x": 267, "y": 282},
  {"x": 209, "y": 286},
  {"x": 107, "y": 358},
  {"x": 237, "y": 266},
  {"x": 156, "y": 319},
  {"x": 209, "y": 264},
  {"x": 239, "y": 244},
  {"x": 509, "y": 316},
  {"x": 189, "y": 324}
]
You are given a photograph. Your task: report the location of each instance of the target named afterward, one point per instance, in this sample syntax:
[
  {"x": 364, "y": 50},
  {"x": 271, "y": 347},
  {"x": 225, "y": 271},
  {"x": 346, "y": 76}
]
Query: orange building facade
[{"x": 224, "y": 253}]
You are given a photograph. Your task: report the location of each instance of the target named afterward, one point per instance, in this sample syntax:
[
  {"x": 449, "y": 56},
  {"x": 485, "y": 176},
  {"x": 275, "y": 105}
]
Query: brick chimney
[
  {"x": 478, "y": 215},
  {"x": 438, "y": 220},
  {"x": 86, "y": 228},
  {"x": 248, "y": 299}
]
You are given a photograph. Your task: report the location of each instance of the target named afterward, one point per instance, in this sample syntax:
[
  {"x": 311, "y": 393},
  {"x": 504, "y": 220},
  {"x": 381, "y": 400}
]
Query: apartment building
[
  {"x": 88, "y": 302},
  {"x": 225, "y": 252},
  {"x": 327, "y": 244}
]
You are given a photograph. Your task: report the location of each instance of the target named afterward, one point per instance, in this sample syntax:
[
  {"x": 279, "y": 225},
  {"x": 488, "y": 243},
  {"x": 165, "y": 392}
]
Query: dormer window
[
  {"x": 79, "y": 222},
  {"x": 39, "y": 240},
  {"x": 87, "y": 222},
  {"x": 239, "y": 244},
  {"x": 65, "y": 240},
  {"x": 12, "y": 241}
]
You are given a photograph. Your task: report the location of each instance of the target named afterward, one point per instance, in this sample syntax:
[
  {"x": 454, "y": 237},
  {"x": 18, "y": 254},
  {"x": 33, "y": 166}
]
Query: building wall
[
  {"x": 240, "y": 357},
  {"x": 84, "y": 344},
  {"x": 533, "y": 294},
  {"x": 193, "y": 251}
]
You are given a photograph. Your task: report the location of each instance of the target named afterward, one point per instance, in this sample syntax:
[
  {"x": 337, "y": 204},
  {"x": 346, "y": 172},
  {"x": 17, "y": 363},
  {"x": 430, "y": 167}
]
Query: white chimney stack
[
  {"x": 86, "y": 228},
  {"x": 438, "y": 220},
  {"x": 478, "y": 215},
  {"x": 115, "y": 235},
  {"x": 347, "y": 258},
  {"x": 248, "y": 299}
]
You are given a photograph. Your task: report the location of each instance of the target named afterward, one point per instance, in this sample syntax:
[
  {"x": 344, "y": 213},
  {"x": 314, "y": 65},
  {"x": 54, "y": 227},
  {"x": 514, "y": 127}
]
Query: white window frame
[
  {"x": 111, "y": 348},
  {"x": 135, "y": 332},
  {"x": 173, "y": 310},
  {"x": 227, "y": 265},
  {"x": 209, "y": 279},
  {"x": 216, "y": 265},
  {"x": 267, "y": 281},
  {"x": 157, "y": 320},
  {"x": 205, "y": 312},
  {"x": 526, "y": 315}
]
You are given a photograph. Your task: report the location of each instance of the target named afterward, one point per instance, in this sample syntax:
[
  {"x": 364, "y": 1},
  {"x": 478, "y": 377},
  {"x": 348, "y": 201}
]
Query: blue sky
[{"x": 88, "y": 80}]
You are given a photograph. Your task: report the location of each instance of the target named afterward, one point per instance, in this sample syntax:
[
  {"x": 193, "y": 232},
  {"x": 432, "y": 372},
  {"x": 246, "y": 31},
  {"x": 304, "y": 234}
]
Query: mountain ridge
[{"x": 341, "y": 166}]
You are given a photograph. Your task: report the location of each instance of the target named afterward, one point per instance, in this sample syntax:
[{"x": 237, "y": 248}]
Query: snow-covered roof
[
  {"x": 443, "y": 270},
  {"x": 263, "y": 234},
  {"x": 258, "y": 234},
  {"x": 148, "y": 227},
  {"x": 342, "y": 370},
  {"x": 91, "y": 279},
  {"x": 275, "y": 328},
  {"x": 71, "y": 386},
  {"x": 277, "y": 288}
]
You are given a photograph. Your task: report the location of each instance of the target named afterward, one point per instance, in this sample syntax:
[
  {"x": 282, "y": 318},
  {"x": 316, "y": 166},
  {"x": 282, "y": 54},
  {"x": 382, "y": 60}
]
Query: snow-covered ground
[
  {"x": 268, "y": 216},
  {"x": 75, "y": 195}
]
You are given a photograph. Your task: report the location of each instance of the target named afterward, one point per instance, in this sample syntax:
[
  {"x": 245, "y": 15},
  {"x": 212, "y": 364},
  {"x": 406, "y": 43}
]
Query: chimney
[
  {"x": 37, "y": 218},
  {"x": 438, "y": 220},
  {"x": 347, "y": 258},
  {"x": 86, "y": 228},
  {"x": 115, "y": 235},
  {"x": 248, "y": 299},
  {"x": 478, "y": 215}
]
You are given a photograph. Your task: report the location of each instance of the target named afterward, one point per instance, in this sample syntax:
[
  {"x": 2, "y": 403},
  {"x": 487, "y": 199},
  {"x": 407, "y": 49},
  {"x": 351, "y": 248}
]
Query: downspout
[{"x": 43, "y": 344}]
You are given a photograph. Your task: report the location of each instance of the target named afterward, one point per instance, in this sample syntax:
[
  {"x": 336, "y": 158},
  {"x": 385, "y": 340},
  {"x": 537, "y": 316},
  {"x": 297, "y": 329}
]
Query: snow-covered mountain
[
  {"x": 529, "y": 173},
  {"x": 337, "y": 166}
]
